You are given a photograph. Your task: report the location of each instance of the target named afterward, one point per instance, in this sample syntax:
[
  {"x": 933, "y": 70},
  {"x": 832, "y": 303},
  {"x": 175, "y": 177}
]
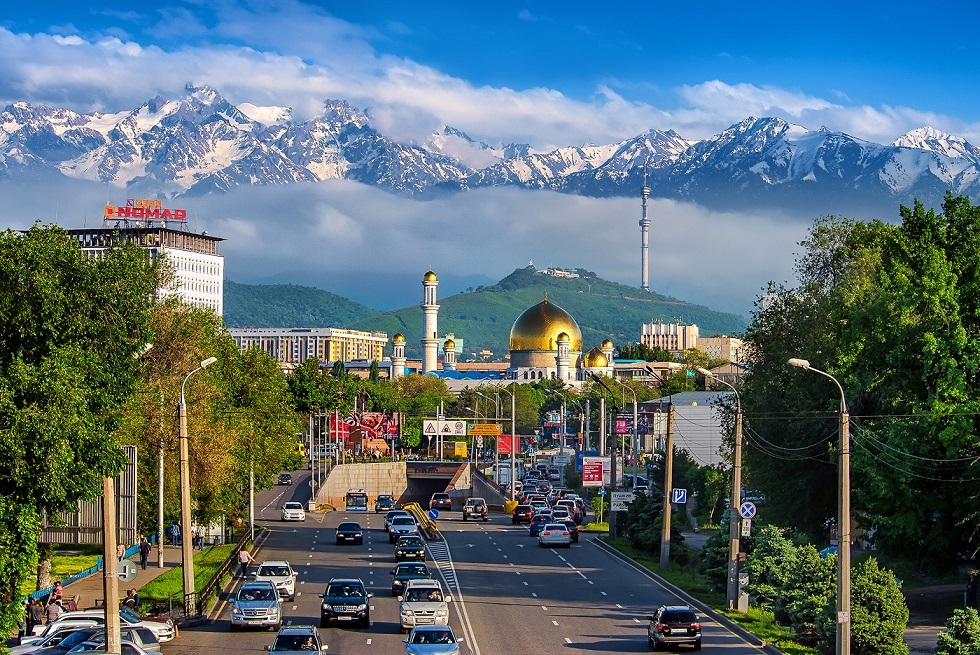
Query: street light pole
[
  {"x": 668, "y": 471},
  {"x": 734, "y": 545},
  {"x": 187, "y": 544},
  {"x": 635, "y": 430},
  {"x": 843, "y": 516}
]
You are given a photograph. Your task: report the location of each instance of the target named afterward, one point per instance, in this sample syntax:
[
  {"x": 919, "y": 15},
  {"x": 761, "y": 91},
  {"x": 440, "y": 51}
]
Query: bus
[{"x": 356, "y": 500}]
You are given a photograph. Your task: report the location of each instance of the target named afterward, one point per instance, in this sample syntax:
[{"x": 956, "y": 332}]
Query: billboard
[
  {"x": 592, "y": 470},
  {"x": 507, "y": 444},
  {"x": 647, "y": 423}
]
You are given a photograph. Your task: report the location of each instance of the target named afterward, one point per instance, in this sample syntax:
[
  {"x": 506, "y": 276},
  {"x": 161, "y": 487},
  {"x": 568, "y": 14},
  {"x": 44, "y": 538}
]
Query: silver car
[
  {"x": 555, "y": 535},
  {"x": 257, "y": 604},
  {"x": 281, "y": 574}
]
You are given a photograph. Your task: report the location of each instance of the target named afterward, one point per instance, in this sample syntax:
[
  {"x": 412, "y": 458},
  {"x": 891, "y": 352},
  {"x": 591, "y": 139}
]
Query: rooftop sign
[{"x": 143, "y": 210}]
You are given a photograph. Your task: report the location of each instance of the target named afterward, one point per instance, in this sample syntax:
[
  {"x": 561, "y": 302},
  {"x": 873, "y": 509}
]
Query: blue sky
[{"x": 545, "y": 73}]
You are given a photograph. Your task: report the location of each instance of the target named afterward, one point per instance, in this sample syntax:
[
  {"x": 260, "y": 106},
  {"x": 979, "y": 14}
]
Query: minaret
[
  {"x": 430, "y": 322},
  {"x": 645, "y": 236},
  {"x": 449, "y": 355},
  {"x": 563, "y": 359},
  {"x": 398, "y": 356}
]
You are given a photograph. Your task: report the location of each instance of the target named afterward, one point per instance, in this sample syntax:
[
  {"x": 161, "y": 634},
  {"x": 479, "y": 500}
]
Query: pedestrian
[
  {"x": 36, "y": 613},
  {"x": 120, "y": 552},
  {"x": 175, "y": 534},
  {"x": 971, "y": 590},
  {"x": 144, "y": 551},
  {"x": 24, "y": 620},
  {"x": 199, "y": 537},
  {"x": 57, "y": 592},
  {"x": 244, "y": 558},
  {"x": 132, "y": 600},
  {"x": 53, "y": 610}
]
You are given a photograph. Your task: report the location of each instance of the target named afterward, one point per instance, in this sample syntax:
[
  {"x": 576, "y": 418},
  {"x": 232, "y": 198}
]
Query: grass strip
[{"x": 171, "y": 583}]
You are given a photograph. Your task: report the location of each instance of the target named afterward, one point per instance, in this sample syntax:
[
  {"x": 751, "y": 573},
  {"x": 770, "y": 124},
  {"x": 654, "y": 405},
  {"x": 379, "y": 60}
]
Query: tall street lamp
[
  {"x": 635, "y": 427},
  {"x": 734, "y": 595},
  {"x": 843, "y": 516},
  {"x": 187, "y": 543},
  {"x": 513, "y": 437},
  {"x": 668, "y": 470}
]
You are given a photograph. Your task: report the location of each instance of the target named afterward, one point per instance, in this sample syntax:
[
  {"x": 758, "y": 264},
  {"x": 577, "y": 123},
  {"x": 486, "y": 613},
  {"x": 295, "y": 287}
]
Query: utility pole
[
  {"x": 110, "y": 567},
  {"x": 668, "y": 488}
]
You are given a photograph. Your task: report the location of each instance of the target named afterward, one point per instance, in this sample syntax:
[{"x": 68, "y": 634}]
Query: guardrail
[{"x": 422, "y": 518}]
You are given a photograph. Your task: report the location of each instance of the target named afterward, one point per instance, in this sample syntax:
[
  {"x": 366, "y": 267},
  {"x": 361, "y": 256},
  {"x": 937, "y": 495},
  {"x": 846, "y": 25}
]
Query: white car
[
  {"x": 281, "y": 574},
  {"x": 555, "y": 534},
  {"x": 164, "y": 630},
  {"x": 293, "y": 512}
]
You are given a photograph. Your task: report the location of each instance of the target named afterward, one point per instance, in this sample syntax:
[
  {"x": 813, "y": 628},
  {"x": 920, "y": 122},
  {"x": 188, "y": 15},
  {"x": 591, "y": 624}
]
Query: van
[{"x": 423, "y": 603}]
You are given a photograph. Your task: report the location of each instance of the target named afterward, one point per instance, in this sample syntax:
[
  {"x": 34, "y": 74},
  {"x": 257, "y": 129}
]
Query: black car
[
  {"x": 345, "y": 601},
  {"x": 384, "y": 503},
  {"x": 522, "y": 514},
  {"x": 672, "y": 625},
  {"x": 350, "y": 532},
  {"x": 440, "y": 501},
  {"x": 407, "y": 571},
  {"x": 285, "y": 478},
  {"x": 572, "y": 529},
  {"x": 410, "y": 547}
]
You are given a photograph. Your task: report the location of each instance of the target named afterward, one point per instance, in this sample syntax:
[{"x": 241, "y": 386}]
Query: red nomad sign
[{"x": 145, "y": 209}]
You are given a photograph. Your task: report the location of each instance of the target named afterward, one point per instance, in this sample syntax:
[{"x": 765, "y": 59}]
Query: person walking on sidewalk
[
  {"x": 36, "y": 611},
  {"x": 175, "y": 534},
  {"x": 144, "y": 551},
  {"x": 971, "y": 590},
  {"x": 244, "y": 559}
]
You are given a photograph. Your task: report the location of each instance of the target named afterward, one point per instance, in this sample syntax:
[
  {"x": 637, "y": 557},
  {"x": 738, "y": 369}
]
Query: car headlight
[
  {"x": 408, "y": 612},
  {"x": 442, "y": 613},
  {"x": 362, "y": 607},
  {"x": 326, "y": 608},
  {"x": 236, "y": 612}
]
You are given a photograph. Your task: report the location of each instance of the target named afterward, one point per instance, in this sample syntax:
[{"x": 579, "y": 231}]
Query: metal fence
[{"x": 176, "y": 606}]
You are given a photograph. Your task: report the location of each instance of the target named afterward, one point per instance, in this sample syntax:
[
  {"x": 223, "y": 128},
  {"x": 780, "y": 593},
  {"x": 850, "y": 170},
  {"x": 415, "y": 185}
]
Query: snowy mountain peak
[{"x": 937, "y": 141}]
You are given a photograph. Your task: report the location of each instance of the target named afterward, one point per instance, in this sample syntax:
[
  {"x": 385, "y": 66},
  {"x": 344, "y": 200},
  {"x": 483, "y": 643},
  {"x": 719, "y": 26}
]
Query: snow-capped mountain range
[{"x": 202, "y": 144}]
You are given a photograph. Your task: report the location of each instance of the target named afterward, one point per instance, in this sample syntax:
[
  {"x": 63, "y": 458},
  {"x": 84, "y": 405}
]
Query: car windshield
[
  {"x": 256, "y": 593},
  {"x": 344, "y": 590},
  {"x": 292, "y": 506},
  {"x": 382, "y": 499},
  {"x": 294, "y": 642},
  {"x": 403, "y": 520},
  {"x": 682, "y": 616},
  {"x": 409, "y": 541},
  {"x": 412, "y": 569},
  {"x": 71, "y": 640},
  {"x": 433, "y": 637},
  {"x": 274, "y": 570},
  {"x": 353, "y": 527}
]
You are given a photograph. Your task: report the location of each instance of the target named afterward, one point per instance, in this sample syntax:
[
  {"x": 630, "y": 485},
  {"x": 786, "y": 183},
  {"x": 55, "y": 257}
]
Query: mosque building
[{"x": 545, "y": 343}]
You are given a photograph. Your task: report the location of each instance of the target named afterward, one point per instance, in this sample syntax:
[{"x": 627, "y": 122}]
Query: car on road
[
  {"x": 292, "y": 511},
  {"x": 572, "y": 508},
  {"x": 522, "y": 514},
  {"x": 406, "y": 571},
  {"x": 410, "y": 547},
  {"x": 284, "y": 478},
  {"x": 423, "y": 603},
  {"x": 401, "y": 526},
  {"x": 345, "y": 600},
  {"x": 392, "y": 514},
  {"x": 62, "y": 641},
  {"x": 572, "y": 529},
  {"x": 256, "y": 605},
  {"x": 297, "y": 639},
  {"x": 671, "y": 625},
  {"x": 538, "y": 521},
  {"x": 162, "y": 628},
  {"x": 281, "y": 574},
  {"x": 384, "y": 503},
  {"x": 350, "y": 532},
  {"x": 93, "y": 647},
  {"x": 441, "y": 501},
  {"x": 142, "y": 638},
  {"x": 559, "y": 514},
  {"x": 554, "y": 534},
  {"x": 432, "y": 640},
  {"x": 476, "y": 508}
]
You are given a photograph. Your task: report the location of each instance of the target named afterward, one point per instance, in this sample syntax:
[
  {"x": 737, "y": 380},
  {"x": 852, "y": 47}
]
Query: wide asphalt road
[{"x": 509, "y": 595}]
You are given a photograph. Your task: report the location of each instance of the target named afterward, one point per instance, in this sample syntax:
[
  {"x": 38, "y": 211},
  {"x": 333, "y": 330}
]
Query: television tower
[{"x": 645, "y": 236}]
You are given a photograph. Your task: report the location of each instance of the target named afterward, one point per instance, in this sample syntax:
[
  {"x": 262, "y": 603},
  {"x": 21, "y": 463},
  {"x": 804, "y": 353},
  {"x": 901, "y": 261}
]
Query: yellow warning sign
[{"x": 485, "y": 429}]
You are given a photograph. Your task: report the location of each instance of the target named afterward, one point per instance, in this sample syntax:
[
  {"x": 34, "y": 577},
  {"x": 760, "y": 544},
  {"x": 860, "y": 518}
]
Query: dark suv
[
  {"x": 522, "y": 514},
  {"x": 345, "y": 601},
  {"x": 440, "y": 501},
  {"x": 674, "y": 624}
]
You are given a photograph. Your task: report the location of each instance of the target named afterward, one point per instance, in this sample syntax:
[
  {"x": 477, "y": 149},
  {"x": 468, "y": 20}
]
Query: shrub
[
  {"x": 878, "y": 613},
  {"x": 713, "y": 563},
  {"x": 808, "y": 597},
  {"x": 962, "y": 636},
  {"x": 769, "y": 566}
]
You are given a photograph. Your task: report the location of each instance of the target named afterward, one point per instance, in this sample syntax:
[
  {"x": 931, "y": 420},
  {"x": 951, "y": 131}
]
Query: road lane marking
[
  {"x": 603, "y": 593},
  {"x": 554, "y": 623},
  {"x": 544, "y": 608},
  {"x": 567, "y": 640}
]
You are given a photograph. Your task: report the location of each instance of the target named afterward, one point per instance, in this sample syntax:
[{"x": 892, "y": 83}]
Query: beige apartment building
[
  {"x": 296, "y": 345},
  {"x": 672, "y": 337}
]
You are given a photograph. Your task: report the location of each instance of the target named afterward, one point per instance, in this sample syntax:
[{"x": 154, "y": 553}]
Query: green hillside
[
  {"x": 288, "y": 305},
  {"x": 483, "y": 318}
]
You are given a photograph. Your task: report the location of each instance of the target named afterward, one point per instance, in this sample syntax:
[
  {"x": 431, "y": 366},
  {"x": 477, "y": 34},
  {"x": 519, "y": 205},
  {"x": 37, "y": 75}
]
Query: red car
[{"x": 522, "y": 514}]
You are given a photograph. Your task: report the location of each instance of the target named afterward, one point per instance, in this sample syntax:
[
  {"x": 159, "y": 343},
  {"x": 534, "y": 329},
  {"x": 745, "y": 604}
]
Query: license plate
[{"x": 345, "y": 618}]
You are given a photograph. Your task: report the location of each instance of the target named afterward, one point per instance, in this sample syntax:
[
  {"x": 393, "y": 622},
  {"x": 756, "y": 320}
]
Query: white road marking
[
  {"x": 554, "y": 623},
  {"x": 544, "y": 608},
  {"x": 603, "y": 593},
  {"x": 567, "y": 640}
]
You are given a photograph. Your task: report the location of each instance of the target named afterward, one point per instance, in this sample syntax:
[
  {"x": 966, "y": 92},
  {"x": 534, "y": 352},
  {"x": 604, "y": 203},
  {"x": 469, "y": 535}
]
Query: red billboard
[{"x": 507, "y": 444}]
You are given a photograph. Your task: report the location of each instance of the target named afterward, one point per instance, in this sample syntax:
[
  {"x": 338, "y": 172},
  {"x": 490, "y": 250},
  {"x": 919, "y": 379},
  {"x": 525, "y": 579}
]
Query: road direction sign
[
  {"x": 485, "y": 429},
  {"x": 678, "y": 496},
  {"x": 127, "y": 571},
  {"x": 620, "y": 501},
  {"x": 747, "y": 510}
]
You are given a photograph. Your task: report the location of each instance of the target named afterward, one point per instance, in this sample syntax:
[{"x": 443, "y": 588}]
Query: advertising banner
[
  {"x": 506, "y": 444},
  {"x": 592, "y": 469}
]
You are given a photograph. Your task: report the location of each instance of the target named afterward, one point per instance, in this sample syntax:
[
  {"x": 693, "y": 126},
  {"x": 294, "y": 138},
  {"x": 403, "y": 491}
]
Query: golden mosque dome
[
  {"x": 606, "y": 344},
  {"x": 595, "y": 359},
  {"x": 539, "y": 327},
  {"x": 430, "y": 276},
  {"x": 398, "y": 338},
  {"x": 449, "y": 345}
]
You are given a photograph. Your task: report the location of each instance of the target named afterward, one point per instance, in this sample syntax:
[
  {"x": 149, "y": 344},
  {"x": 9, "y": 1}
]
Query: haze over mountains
[{"x": 202, "y": 144}]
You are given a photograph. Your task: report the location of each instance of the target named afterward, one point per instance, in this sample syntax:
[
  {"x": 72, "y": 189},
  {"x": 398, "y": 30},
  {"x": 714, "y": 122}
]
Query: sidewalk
[{"x": 89, "y": 590}]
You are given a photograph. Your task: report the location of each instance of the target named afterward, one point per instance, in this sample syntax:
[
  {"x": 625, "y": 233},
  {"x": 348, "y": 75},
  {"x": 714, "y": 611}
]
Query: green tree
[
  {"x": 70, "y": 326},
  {"x": 807, "y": 598},
  {"x": 769, "y": 566},
  {"x": 879, "y": 614},
  {"x": 962, "y": 636}
]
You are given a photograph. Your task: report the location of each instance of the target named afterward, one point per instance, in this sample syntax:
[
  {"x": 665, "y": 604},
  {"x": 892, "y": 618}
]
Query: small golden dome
[
  {"x": 540, "y": 326},
  {"x": 430, "y": 276},
  {"x": 606, "y": 344},
  {"x": 595, "y": 359},
  {"x": 398, "y": 338},
  {"x": 563, "y": 336},
  {"x": 449, "y": 345}
]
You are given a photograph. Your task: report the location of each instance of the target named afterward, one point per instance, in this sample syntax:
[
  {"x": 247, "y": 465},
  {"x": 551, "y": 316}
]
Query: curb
[
  {"x": 215, "y": 610},
  {"x": 749, "y": 638}
]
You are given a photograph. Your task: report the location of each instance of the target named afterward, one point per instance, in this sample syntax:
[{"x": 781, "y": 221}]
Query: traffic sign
[
  {"x": 619, "y": 501},
  {"x": 127, "y": 571},
  {"x": 678, "y": 496},
  {"x": 746, "y": 527},
  {"x": 433, "y": 514},
  {"x": 747, "y": 510},
  {"x": 485, "y": 429}
]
